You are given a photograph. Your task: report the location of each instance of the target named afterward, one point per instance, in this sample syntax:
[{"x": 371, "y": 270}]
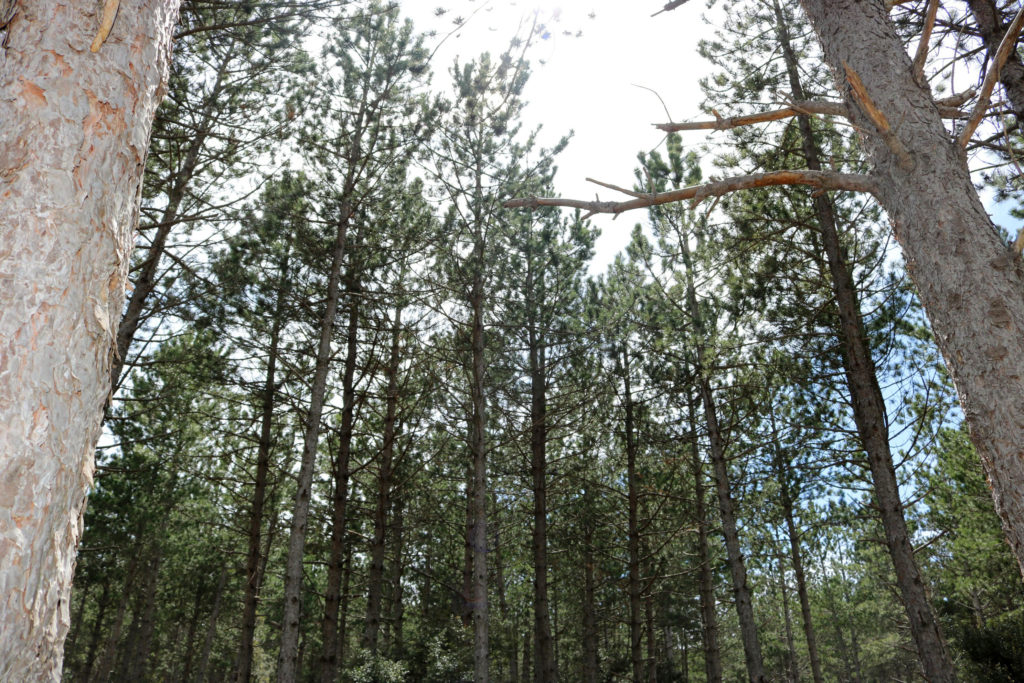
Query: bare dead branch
[
  {"x": 922, "y": 45},
  {"x": 877, "y": 116},
  {"x": 823, "y": 180},
  {"x": 1005, "y": 48},
  {"x": 720, "y": 123},
  {"x": 949, "y": 107}
]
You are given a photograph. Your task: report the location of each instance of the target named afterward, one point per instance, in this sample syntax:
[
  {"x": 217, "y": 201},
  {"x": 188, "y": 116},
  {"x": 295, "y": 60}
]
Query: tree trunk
[
  {"x": 252, "y": 558},
  {"x": 544, "y": 656},
  {"x": 781, "y": 466},
  {"x": 478, "y": 492},
  {"x": 142, "y": 626},
  {"x": 94, "y": 635},
  {"x": 396, "y": 618},
  {"x": 145, "y": 283},
  {"x": 375, "y": 578},
  {"x": 72, "y": 150},
  {"x": 590, "y": 666},
  {"x": 969, "y": 282},
  {"x": 288, "y": 659},
  {"x": 869, "y": 410},
  {"x": 791, "y": 669},
  {"x": 211, "y": 627},
  {"x": 633, "y": 527},
  {"x": 706, "y": 590},
  {"x": 339, "y": 521},
  {"x": 734, "y": 554}
]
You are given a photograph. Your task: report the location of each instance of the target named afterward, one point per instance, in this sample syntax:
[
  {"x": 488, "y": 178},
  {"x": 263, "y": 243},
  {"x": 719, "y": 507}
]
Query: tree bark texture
[
  {"x": 73, "y": 147},
  {"x": 869, "y": 410},
  {"x": 969, "y": 281}
]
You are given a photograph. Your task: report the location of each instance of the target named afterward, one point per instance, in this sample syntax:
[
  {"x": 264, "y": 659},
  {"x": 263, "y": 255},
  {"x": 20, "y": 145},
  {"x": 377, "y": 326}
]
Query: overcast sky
[{"x": 586, "y": 78}]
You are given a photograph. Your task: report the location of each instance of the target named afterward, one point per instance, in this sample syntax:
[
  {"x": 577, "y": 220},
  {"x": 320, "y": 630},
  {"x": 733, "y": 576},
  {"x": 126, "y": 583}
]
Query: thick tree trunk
[
  {"x": 632, "y": 527},
  {"x": 544, "y": 655},
  {"x": 339, "y": 503},
  {"x": 252, "y": 558},
  {"x": 869, "y": 409},
  {"x": 72, "y": 150},
  {"x": 970, "y": 283},
  {"x": 288, "y": 659},
  {"x": 375, "y": 577}
]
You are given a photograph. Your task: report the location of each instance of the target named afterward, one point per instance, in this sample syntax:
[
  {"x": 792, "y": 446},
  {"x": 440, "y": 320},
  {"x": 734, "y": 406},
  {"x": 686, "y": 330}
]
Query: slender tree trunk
[
  {"x": 726, "y": 508},
  {"x": 81, "y": 594},
  {"x": 375, "y": 578},
  {"x": 94, "y": 635},
  {"x": 590, "y": 644},
  {"x": 633, "y": 527},
  {"x": 339, "y": 521},
  {"x": 544, "y": 670},
  {"x": 396, "y": 618},
  {"x": 190, "y": 639},
  {"x": 145, "y": 282},
  {"x": 652, "y": 656},
  {"x": 252, "y": 558},
  {"x": 706, "y": 590},
  {"x": 869, "y": 410},
  {"x": 72, "y": 150},
  {"x": 478, "y": 492},
  {"x": 791, "y": 660},
  {"x": 109, "y": 656},
  {"x": 142, "y": 627},
  {"x": 288, "y": 659},
  {"x": 202, "y": 675},
  {"x": 969, "y": 282},
  {"x": 781, "y": 466}
]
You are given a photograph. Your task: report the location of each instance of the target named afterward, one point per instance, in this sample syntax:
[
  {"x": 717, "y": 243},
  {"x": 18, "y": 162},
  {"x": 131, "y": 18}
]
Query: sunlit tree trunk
[{"x": 72, "y": 150}]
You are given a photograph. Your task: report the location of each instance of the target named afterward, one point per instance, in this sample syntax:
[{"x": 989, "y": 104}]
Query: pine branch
[
  {"x": 926, "y": 36},
  {"x": 669, "y": 6},
  {"x": 1005, "y": 48},
  {"x": 823, "y": 180}
]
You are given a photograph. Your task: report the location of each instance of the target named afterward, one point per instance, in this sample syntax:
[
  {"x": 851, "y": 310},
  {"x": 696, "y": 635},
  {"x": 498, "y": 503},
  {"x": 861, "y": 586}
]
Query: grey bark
[
  {"x": 73, "y": 146},
  {"x": 590, "y": 643},
  {"x": 202, "y": 674},
  {"x": 478, "y": 492},
  {"x": 970, "y": 283},
  {"x": 870, "y": 414}
]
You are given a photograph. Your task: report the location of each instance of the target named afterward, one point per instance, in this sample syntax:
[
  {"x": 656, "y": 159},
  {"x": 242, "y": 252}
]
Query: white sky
[{"x": 587, "y": 84}]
